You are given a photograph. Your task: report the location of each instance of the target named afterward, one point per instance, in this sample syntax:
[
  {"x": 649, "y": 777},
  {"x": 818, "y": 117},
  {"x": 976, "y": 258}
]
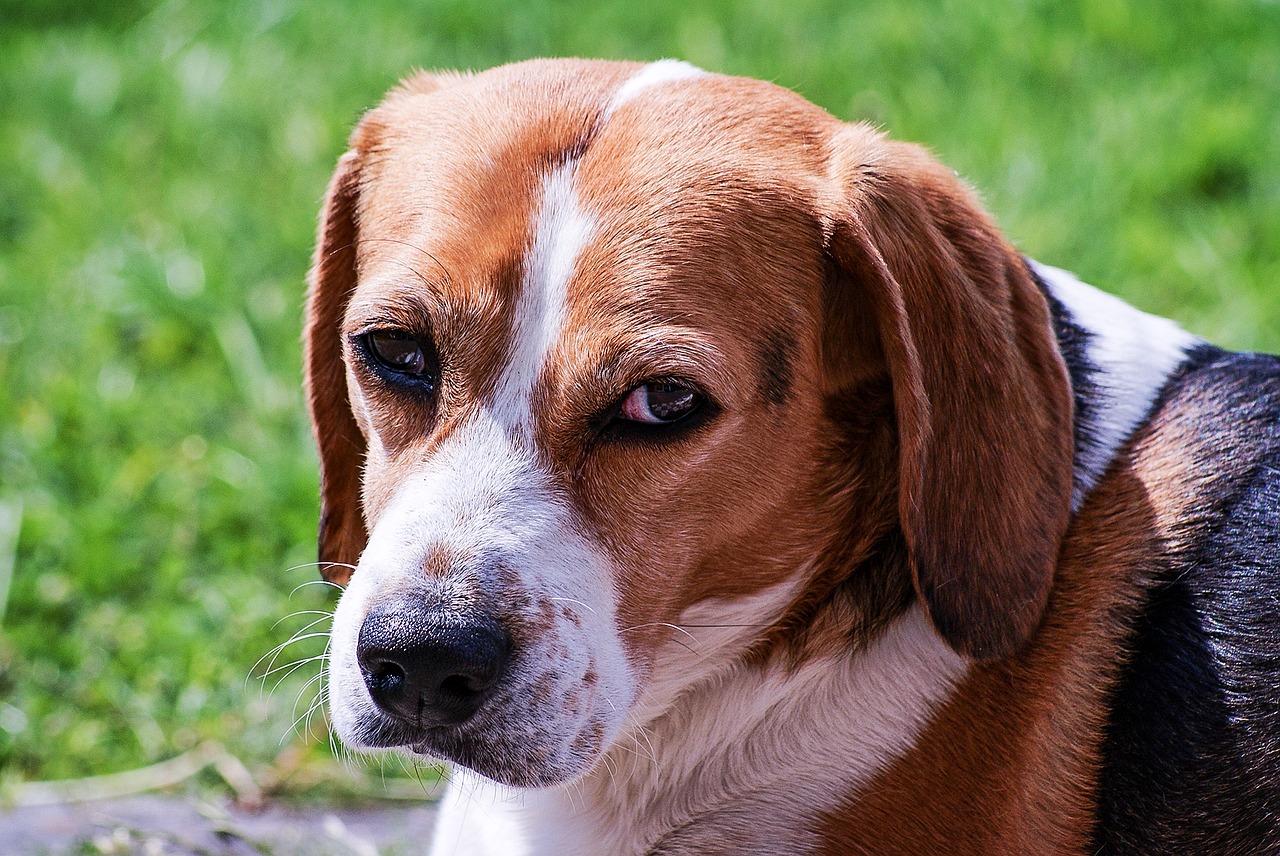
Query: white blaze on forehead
[
  {"x": 653, "y": 74},
  {"x": 561, "y": 229}
]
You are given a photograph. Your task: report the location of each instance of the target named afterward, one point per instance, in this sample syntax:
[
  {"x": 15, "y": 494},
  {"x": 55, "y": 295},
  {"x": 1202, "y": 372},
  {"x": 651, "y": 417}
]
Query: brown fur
[{"x": 1009, "y": 764}]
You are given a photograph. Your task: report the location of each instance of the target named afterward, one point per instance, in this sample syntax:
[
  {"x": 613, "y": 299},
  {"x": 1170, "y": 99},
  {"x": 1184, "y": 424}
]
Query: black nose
[{"x": 430, "y": 667}]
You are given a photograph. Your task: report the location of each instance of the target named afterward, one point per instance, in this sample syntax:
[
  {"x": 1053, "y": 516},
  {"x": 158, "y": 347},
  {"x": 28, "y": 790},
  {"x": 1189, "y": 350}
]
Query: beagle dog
[{"x": 708, "y": 475}]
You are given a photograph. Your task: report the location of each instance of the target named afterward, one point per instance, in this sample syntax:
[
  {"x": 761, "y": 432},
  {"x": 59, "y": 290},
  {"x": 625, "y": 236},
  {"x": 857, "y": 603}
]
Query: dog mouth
[
  {"x": 533, "y": 727},
  {"x": 519, "y": 755}
]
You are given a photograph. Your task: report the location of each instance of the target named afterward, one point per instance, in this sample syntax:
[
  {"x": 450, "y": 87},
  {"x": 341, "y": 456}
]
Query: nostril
[
  {"x": 458, "y": 685},
  {"x": 385, "y": 677},
  {"x": 428, "y": 671}
]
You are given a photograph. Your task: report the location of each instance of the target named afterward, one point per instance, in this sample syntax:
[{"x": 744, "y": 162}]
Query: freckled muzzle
[
  {"x": 480, "y": 626},
  {"x": 428, "y": 665}
]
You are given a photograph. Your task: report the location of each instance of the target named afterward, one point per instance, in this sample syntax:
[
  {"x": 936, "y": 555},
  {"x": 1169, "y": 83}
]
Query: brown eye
[
  {"x": 399, "y": 352},
  {"x": 659, "y": 403}
]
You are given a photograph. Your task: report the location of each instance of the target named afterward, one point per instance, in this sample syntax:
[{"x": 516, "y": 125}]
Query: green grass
[{"x": 160, "y": 171}]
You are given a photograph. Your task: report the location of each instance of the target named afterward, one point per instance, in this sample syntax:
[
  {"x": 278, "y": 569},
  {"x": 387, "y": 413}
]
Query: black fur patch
[
  {"x": 1073, "y": 342},
  {"x": 1192, "y": 751}
]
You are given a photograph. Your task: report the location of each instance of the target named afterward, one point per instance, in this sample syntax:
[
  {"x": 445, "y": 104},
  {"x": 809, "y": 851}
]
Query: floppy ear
[
  {"x": 342, "y": 447},
  {"x": 981, "y": 397}
]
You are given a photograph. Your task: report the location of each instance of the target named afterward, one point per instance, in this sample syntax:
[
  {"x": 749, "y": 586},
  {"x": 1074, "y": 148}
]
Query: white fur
[
  {"x": 653, "y": 74},
  {"x": 476, "y": 818},
  {"x": 1135, "y": 353},
  {"x": 479, "y": 818},
  {"x": 757, "y": 752},
  {"x": 561, "y": 229},
  {"x": 364, "y": 416},
  {"x": 483, "y": 500}
]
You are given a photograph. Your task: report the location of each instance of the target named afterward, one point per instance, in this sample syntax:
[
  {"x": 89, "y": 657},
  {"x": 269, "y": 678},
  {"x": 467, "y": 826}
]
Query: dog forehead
[
  {"x": 478, "y": 144},
  {"x": 660, "y": 156},
  {"x": 467, "y": 156},
  {"x": 552, "y": 219}
]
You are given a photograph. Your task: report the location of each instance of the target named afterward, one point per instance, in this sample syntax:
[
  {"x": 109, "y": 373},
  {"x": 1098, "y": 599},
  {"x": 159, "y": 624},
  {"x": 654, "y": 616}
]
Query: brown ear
[
  {"x": 981, "y": 396},
  {"x": 342, "y": 447}
]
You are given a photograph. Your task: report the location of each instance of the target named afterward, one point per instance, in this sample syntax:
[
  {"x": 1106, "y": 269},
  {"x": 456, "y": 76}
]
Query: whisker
[
  {"x": 319, "y": 676},
  {"x": 319, "y": 658},
  {"x": 334, "y": 746},
  {"x": 322, "y": 693},
  {"x": 610, "y": 766},
  {"x": 351, "y": 762},
  {"x": 270, "y": 657},
  {"x": 323, "y": 612},
  {"x": 673, "y": 627},
  {"x": 301, "y": 634},
  {"x": 447, "y": 276},
  {"x": 298, "y": 698},
  {"x": 275, "y": 652},
  {"x": 637, "y": 753},
  {"x": 317, "y": 706},
  {"x": 324, "y": 616},
  {"x": 295, "y": 664},
  {"x": 294, "y": 729},
  {"x": 320, "y": 582},
  {"x": 580, "y": 603},
  {"x": 302, "y": 612},
  {"x": 300, "y": 586},
  {"x": 305, "y": 719},
  {"x": 661, "y": 624},
  {"x": 644, "y": 732},
  {"x": 304, "y": 565}
]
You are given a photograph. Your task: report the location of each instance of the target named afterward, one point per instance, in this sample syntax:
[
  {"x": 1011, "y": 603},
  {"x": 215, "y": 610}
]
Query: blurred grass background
[{"x": 160, "y": 170}]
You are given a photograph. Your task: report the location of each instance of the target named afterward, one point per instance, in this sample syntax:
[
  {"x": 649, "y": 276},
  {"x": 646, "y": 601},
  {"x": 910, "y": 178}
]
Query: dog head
[{"x": 590, "y": 344}]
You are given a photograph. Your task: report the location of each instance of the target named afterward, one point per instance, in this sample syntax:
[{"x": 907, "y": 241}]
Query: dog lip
[{"x": 388, "y": 733}]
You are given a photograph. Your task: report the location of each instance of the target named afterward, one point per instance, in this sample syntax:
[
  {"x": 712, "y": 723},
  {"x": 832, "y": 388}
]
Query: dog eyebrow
[
  {"x": 624, "y": 362},
  {"x": 409, "y": 305},
  {"x": 690, "y": 358},
  {"x": 776, "y": 352}
]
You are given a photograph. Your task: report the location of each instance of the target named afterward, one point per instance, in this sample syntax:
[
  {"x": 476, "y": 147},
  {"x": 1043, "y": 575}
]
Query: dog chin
[
  {"x": 511, "y": 770},
  {"x": 508, "y": 761},
  {"x": 508, "y": 758}
]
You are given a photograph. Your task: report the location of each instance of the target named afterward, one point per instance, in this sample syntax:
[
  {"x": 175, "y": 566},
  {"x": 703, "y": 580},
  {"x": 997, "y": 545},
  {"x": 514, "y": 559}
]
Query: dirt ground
[{"x": 175, "y": 826}]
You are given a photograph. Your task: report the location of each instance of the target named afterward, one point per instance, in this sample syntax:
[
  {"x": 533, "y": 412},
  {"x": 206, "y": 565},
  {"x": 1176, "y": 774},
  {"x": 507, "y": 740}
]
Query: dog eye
[
  {"x": 659, "y": 403},
  {"x": 399, "y": 352}
]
